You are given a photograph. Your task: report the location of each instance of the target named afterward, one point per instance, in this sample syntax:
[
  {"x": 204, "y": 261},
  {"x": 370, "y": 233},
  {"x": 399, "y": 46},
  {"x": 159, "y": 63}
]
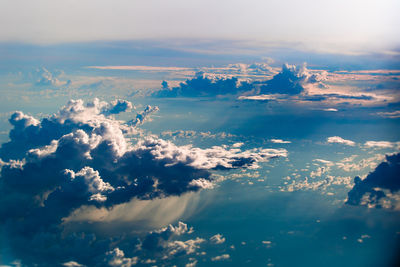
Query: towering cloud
[{"x": 290, "y": 80}]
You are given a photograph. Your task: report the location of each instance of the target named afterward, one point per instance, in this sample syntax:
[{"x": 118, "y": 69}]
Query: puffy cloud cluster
[
  {"x": 217, "y": 239},
  {"x": 141, "y": 117},
  {"x": 43, "y": 77},
  {"x": 314, "y": 185},
  {"x": 119, "y": 105},
  {"x": 81, "y": 156},
  {"x": 381, "y": 188},
  {"x": 164, "y": 245},
  {"x": 193, "y": 134},
  {"x": 291, "y": 80},
  {"x": 203, "y": 86},
  {"x": 116, "y": 258}
]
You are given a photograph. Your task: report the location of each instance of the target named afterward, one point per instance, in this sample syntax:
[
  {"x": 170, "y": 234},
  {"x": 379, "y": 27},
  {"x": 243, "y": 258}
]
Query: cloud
[
  {"x": 280, "y": 141},
  {"x": 350, "y": 164},
  {"x": 165, "y": 242},
  {"x": 203, "y": 86},
  {"x": 116, "y": 258},
  {"x": 190, "y": 134},
  {"x": 221, "y": 257},
  {"x": 43, "y": 77},
  {"x": 141, "y": 117},
  {"x": 217, "y": 239},
  {"x": 291, "y": 80},
  {"x": 380, "y": 189},
  {"x": 157, "y": 239},
  {"x": 262, "y": 97},
  {"x": 83, "y": 157},
  {"x": 72, "y": 264},
  {"x": 391, "y": 115},
  {"x": 312, "y": 184},
  {"x": 340, "y": 140},
  {"x": 140, "y": 68},
  {"x": 118, "y": 106},
  {"x": 381, "y": 144},
  {"x": 330, "y": 109},
  {"x": 177, "y": 247}
]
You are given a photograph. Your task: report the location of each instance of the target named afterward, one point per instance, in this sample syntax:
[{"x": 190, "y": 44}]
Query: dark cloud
[
  {"x": 82, "y": 157},
  {"x": 380, "y": 188},
  {"x": 290, "y": 81},
  {"x": 203, "y": 86}
]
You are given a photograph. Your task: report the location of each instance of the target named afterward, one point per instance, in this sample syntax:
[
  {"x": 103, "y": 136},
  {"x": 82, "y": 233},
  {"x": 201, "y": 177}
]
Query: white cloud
[
  {"x": 186, "y": 247},
  {"x": 191, "y": 264},
  {"x": 209, "y": 158},
  {"x": 391, "y": 115},
  {"x": 217, "y": 239},
  {"x": 381, "y": 144},
  {"x": 72, "y": 264},
  {"x": 221, "y": 257},
  {"x": 314, "y": 185},
  {"x": 340, "y": 140},
  {"x": 280, "y": 141},
  {"x": 116, "y": 258}
]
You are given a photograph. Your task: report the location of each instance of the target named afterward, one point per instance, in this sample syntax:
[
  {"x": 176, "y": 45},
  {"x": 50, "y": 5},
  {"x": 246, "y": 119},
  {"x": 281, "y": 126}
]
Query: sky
[
  {"x": 199, "y": 133},
  {"x": 356, "y": 26}
]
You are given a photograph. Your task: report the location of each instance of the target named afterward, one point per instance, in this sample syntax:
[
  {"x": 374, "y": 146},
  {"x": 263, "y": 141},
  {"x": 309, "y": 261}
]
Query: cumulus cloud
[
  {"x": 72, "y": 264},
  {"x": 190, "y": 134},
  {"x": 116, "y": 258},
  {"x": 82, "y": 157},
  {"x": 184, "y": 247},
  {"x": 340, "y": 140},
  {"x": 203, "y": 86},
  {"x": 221, "y": 257},
  {"x": 43, "y": 77},
  {"x": 118, "y": 106},
  {"x": 380, "y": 189},
  {"x": 217, "y": 239},
  {"x": 169, "y": 243},
  {"x": 291, "y": 80},
  {"x": 314, "y": 185},
  {"x": 141, "y": 117}
]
